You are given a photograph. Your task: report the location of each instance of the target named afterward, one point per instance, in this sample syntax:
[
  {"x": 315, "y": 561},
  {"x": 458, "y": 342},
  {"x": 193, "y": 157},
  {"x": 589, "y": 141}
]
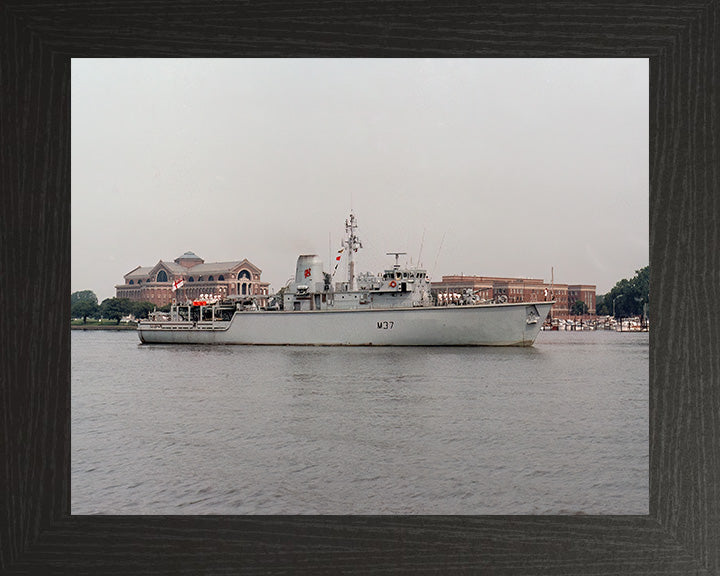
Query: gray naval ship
[{"x": 395, "y": 308}]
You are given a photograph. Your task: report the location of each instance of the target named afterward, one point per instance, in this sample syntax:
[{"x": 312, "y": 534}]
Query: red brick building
[
  {"x": 154, "y": 284},
  {"x": 584, "y": 293},
  {"x": 521, "y": 290}
]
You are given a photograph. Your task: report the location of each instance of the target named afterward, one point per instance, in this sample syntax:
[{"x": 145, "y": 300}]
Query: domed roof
[{"x": 189, "y": 259}]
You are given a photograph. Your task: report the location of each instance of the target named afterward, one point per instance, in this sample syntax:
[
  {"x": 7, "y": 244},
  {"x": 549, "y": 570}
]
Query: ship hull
[{"x": 516, "y": 324}]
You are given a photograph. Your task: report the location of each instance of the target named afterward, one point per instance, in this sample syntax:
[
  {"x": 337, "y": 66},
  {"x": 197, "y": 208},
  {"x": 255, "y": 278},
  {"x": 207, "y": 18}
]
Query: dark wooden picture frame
[{"x": 680, "y": 535}]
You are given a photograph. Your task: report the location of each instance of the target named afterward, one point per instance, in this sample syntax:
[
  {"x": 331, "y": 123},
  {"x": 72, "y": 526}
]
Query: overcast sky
[{"x": 479, "y": 167}]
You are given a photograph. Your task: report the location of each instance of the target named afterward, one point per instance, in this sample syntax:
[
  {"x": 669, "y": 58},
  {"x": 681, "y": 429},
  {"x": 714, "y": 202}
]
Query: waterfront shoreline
[{"x": 99, "y": 327}]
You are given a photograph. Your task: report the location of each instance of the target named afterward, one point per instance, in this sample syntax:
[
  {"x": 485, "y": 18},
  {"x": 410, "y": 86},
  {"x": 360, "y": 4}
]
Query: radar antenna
[{"x": 397, "y": 258}]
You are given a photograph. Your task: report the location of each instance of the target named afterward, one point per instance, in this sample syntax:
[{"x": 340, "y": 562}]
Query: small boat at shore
[{"x": 394, "y": 308}]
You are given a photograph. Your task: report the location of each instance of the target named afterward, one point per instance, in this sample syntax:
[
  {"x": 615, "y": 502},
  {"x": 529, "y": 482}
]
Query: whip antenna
[
  {"x": 422, "y": 242},
  {"x": 432, "y": 274}
]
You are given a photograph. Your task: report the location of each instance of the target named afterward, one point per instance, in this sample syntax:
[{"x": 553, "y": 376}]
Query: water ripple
[{"x": 560, "y": 428}]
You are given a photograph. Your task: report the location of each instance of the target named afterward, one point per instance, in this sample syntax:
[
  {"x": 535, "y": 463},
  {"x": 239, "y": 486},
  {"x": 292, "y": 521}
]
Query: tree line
[
  {"x": 84, "y": 304},
  {"x": 627, "y": 298}
]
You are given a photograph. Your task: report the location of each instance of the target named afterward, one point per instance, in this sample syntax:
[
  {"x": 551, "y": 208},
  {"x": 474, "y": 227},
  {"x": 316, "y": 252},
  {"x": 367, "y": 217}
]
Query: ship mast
[{"x": 351, "y": 244}]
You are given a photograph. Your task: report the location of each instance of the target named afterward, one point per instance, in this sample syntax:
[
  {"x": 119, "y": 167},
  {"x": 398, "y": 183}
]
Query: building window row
[{"x": 163, "y": 277}]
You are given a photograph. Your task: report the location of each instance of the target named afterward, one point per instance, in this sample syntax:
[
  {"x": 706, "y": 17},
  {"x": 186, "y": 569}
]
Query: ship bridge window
[{"x": 162, "y": 276}]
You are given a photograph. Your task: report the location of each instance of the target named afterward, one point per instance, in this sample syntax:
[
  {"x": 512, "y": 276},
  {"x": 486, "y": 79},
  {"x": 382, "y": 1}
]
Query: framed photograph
[{"x": 44, "y": 529}]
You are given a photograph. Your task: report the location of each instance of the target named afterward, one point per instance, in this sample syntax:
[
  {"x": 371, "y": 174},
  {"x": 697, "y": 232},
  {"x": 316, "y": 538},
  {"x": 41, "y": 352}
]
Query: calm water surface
[{"x": 559, "y": 428}]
